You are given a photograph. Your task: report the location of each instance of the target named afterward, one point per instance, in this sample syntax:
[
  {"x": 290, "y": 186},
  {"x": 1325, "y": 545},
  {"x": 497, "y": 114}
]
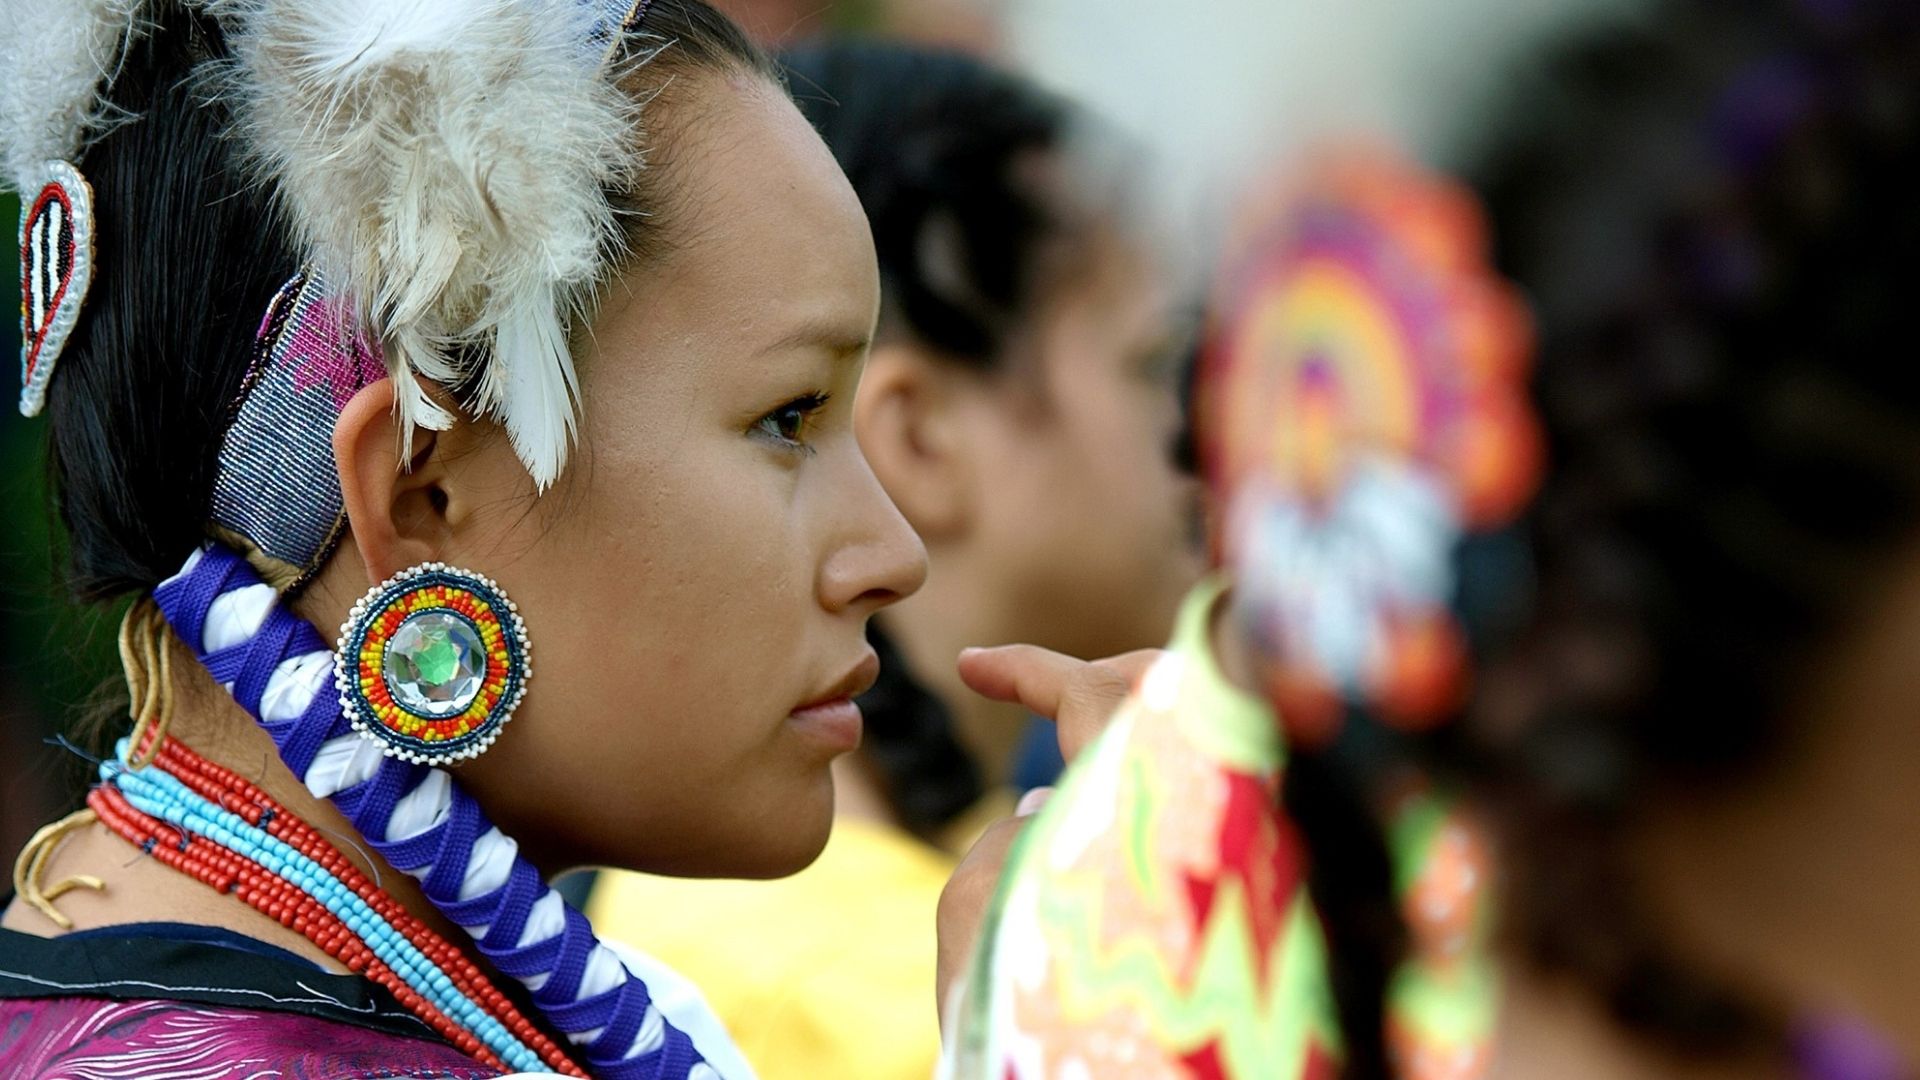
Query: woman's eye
[{"x": 788, "y": 423}]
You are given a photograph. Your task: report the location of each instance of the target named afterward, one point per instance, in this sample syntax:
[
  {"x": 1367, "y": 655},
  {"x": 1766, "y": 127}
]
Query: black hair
[
  {"x": 1713, "y": 213},
  {"x": 187, "y": 252},
  {"x": 1737, "y": 463},
  {"x": 928, "y": 778},
  {"x": 938, "y": 147}
]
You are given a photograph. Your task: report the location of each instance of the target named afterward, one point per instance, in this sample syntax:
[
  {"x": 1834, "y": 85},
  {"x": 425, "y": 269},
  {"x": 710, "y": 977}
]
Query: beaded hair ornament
[
  {"x": 1363, "y": 411},
  {"x": 57, "y": 52},
  {"x": 56, "y": 268}
]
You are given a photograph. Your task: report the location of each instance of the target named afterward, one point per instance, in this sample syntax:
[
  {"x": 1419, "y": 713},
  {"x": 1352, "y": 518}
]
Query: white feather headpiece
[{"x": 445, "y": 163}]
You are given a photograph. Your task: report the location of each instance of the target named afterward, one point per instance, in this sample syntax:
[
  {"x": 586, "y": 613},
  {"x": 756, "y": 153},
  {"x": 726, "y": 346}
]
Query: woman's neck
[
  {"x": 1802, "y": 882},
  {"x": 139, "y": 889},
  {"x": 1796, "y": 881}
]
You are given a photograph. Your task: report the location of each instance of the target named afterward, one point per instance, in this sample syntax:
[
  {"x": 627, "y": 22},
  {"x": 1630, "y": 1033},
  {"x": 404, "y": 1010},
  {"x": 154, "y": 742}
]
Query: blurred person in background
[
  {"x": 1703, "y": 745},
  {"x": 1692, "y": 744},
  {"x": 1021, "y": 408}
]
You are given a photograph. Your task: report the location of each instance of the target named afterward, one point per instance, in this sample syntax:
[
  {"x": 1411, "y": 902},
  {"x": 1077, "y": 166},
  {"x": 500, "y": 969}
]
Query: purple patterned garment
[{"x": 73, "y": 1038}]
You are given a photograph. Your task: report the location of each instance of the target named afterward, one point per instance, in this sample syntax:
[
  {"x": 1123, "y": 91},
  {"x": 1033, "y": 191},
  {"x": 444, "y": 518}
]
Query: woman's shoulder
[{"x": 68, "y": 1036}]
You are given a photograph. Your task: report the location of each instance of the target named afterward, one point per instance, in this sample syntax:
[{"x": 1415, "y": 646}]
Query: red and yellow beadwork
[{"x": 432, "y": 663}]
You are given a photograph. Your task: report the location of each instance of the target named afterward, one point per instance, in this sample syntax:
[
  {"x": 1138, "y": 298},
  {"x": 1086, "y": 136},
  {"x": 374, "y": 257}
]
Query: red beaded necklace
[{"x": 266, "y": 892}]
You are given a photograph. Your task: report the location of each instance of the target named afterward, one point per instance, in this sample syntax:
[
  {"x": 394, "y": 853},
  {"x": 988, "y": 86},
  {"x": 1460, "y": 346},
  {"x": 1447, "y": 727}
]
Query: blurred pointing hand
[{"x": 1079, "y": 696}]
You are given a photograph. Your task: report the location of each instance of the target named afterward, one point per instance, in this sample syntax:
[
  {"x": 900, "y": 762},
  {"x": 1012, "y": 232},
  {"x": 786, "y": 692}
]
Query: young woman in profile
[
  {"x": 374, "y": 362},
  {"x": 1020, "y": 407}
]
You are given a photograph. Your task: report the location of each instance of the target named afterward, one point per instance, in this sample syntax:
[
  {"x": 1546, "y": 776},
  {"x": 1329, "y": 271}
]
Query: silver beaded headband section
[
  {"x": 277, "y": 486},
  {"x": 615, "y": 19}
]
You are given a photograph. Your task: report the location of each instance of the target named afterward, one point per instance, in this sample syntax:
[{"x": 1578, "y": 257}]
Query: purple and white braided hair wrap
[{"x": 418, "y": 818}]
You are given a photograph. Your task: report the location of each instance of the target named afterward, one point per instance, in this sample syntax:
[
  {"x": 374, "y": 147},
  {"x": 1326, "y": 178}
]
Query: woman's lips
[
  {"x": 833, "y": 719},
  {"x": 836, "y": 725}
]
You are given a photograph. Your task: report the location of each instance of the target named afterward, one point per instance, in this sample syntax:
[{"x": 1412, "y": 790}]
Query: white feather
[
  {"x": 56, "y": 55},
  {"x": 534, "y": 394},
  {"x": 445, "y": 162}
]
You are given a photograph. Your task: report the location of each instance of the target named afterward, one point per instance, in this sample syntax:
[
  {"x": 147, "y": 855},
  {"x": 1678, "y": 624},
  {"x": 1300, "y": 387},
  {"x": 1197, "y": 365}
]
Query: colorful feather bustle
[{"x": 1363, "y": 410}]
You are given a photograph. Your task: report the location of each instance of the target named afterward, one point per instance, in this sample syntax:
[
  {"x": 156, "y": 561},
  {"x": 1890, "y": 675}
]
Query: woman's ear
[
  {"x": 396, "y": 509},
  {"x": 908, "y": 423}
]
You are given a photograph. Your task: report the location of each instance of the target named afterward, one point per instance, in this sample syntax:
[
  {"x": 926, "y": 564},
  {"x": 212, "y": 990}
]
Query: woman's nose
[{"x": 879, "y": 559}]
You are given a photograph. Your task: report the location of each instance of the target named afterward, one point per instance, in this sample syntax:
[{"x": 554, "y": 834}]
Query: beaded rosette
[
  {"x": 1364, "y": 410},
  {"x": 432, "y": 663}
]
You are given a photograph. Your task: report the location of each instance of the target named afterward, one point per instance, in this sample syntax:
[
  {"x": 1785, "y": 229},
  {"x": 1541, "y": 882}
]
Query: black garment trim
[{"x": 209, "y": 966}]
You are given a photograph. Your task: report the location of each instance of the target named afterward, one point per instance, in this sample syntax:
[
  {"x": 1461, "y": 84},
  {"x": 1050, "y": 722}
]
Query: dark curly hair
[{"x": 1715, "y": 215}]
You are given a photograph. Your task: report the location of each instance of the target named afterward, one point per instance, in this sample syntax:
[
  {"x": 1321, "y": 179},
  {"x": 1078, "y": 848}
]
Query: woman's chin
[
  {"x": 792, "y": 844},
  {"x": 789, "y": 860},
  {"x": 775, "y": 843}
]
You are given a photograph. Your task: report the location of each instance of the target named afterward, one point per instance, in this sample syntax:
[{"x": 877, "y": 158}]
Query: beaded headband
[
  {"x": 277, "y": 487},
  {"x": 1363, "y": 413}
]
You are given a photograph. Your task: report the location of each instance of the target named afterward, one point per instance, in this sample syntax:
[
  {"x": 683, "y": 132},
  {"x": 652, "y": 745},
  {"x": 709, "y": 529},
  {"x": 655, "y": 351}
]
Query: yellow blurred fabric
[{"x": 828, "y": 973}]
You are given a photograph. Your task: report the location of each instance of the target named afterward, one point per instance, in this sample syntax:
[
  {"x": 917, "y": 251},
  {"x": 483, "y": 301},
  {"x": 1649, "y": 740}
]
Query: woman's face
[
  {"x": 1089, "y": 524},
  {"x": 704, "y": 571}
]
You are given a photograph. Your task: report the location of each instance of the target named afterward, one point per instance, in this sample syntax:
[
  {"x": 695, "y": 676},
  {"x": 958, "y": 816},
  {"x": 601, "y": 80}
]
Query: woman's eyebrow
[{"x": 833, "y": 336}]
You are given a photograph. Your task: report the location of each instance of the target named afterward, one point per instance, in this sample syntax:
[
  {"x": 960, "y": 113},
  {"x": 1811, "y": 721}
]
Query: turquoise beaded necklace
[{"x": 160, "y": 795}]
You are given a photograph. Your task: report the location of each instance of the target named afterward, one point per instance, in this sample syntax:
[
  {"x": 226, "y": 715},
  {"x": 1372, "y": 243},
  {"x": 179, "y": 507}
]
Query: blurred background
[{"x": 1219, "y": 92}]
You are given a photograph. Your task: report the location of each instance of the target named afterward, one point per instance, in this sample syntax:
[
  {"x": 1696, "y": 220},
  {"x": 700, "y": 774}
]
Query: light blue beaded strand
[{"x": 159, "y": 794}]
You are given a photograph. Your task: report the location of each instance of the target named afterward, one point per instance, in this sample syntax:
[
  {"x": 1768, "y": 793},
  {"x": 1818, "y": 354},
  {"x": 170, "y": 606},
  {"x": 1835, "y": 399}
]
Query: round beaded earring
[{"x": 431, "y": 664}]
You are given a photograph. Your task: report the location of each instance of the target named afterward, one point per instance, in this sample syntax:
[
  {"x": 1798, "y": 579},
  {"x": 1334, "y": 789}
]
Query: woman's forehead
[{"x": 774, "y": 251}]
